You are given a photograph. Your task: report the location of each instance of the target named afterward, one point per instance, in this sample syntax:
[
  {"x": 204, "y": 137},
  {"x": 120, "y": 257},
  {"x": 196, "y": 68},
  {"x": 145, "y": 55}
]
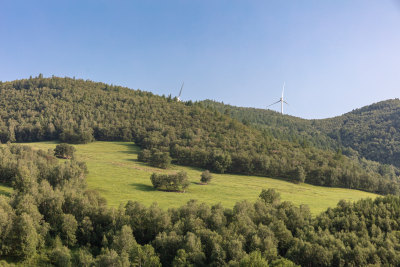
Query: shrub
[
  {"x": 64, "y": 151},
  {"x": 170, "y": 182},
  {"x": 270, "y": 196},
  {"x": 206, "y": 176}
]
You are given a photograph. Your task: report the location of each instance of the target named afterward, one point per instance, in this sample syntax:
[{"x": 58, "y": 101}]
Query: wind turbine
[
  {"x": 180, "y": 92},
  {"x": 281, "y": 100}
]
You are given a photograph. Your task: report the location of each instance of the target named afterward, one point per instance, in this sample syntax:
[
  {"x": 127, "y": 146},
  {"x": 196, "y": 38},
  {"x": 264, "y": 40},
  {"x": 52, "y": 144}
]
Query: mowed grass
[{"x": 115, "y": 172}]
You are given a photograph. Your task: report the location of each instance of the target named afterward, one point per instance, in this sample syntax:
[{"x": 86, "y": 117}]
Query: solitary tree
[
  {"x": 170, "y": 182},
  {"x": 206, "y": 177},
  {"x": 64, "y": 151},
  {"x": 270, "y": 196}
]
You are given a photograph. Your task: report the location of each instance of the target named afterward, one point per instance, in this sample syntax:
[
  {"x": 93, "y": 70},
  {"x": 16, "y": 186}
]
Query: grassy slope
[{"x": 115, "y": 172}]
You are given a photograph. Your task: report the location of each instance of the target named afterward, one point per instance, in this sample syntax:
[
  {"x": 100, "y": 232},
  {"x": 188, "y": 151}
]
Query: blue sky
[{"x": 334, "y": 56}]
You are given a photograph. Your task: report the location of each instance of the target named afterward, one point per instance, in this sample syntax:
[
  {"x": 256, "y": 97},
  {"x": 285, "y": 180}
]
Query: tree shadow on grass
[
  {"x": 143, "y": 187},
  {"x": 132, "y": 149},
  {"x": 140, "y": 163},
  {"x": 199, "y": 183}
]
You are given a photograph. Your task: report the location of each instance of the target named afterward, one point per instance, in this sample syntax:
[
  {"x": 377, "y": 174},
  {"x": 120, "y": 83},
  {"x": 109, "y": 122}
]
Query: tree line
[
  {"x": 52, "y": 218},
  {"x": 187, "y": 133}
]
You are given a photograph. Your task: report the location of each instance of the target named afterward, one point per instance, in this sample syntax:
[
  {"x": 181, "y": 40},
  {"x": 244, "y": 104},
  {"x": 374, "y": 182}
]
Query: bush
[
  {"x": 170, "y": 182},
  {"x": 270, "y": 196},
  {"x": 64, "y": 151},
  {"x": 206, "y": 177}
]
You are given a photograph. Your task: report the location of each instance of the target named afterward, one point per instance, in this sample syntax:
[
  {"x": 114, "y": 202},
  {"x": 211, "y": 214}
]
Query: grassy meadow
[{"x": 115, "y": 172}]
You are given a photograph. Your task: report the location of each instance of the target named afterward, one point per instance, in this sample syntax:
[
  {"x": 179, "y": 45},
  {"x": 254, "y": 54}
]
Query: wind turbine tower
[
  {"x": 180, "y": 92},
  {"x": 280, "y": 100},
  {"x": 283, "y": 90}
]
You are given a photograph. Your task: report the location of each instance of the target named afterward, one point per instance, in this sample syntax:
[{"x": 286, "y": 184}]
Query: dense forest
[
  {"x": 52, "y": 218},
  {"x": 78, "y": 111},
  {"x": 371, "y": 132},
  {"x": 283, "y": 127}
]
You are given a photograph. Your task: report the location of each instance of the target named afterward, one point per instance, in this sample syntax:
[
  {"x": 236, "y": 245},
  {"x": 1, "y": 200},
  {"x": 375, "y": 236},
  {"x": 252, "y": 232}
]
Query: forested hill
[
  {"x": 372, "y": 131},
  {"x": 284, "y": 127},
  {"x": 78, "y": 111}
]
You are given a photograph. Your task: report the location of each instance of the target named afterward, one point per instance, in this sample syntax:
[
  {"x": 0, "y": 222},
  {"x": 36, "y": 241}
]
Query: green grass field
[{"x": 115, "y": 172}]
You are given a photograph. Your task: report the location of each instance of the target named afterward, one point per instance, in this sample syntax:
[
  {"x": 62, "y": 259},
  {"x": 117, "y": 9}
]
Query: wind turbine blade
[
  {"x": 274, "y": 103},
  {"x": 180, "y": 92},
  {"x": 283, "y": 89},
  {"x": 285, "y": 102}
]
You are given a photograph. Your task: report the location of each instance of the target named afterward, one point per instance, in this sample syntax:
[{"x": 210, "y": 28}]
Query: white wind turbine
[
  {"x": 180, "y": 92},
  {"x": 281, "y": 99}
]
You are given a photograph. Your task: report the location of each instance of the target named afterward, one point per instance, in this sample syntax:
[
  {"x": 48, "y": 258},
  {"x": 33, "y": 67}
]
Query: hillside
[
  {"x": 57, "y": 215},
  {"x": 53, "y": 219},
  {"x": 117, "y": 175},
  {"x": 78, "y": 111},
  {"x": 284, "y": 127},
  {"x": 371, "y": 132}
]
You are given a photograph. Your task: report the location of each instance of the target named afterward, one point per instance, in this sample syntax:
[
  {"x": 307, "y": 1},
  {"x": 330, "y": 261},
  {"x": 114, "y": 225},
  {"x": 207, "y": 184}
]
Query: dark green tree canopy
[
  {"x": 64, "y": 151},
  {"x": 177, "y": 182},
  {"x": 206, "y": 176}
]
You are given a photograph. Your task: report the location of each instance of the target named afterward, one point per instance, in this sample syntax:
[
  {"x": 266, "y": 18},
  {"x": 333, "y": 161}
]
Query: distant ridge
[{"x": 372, "y": 131}]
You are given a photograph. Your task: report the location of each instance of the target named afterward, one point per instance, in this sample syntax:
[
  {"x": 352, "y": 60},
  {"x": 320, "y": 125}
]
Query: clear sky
[{"x": 334, "y": 56}]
